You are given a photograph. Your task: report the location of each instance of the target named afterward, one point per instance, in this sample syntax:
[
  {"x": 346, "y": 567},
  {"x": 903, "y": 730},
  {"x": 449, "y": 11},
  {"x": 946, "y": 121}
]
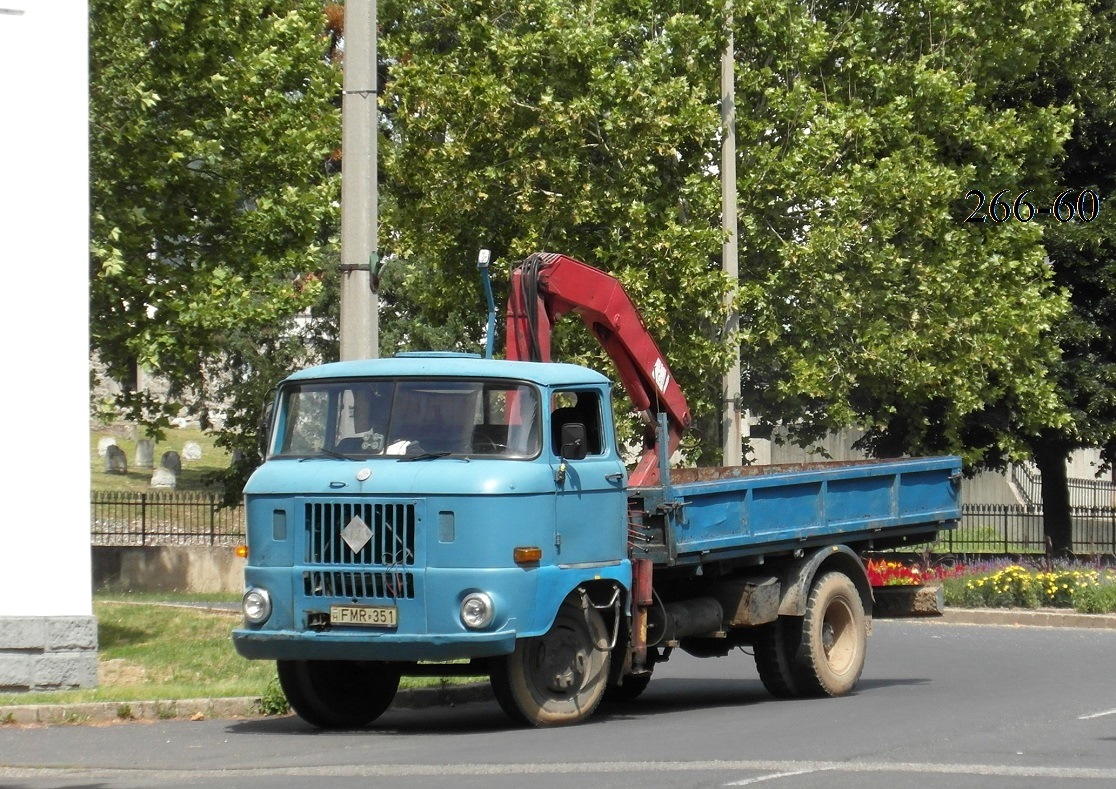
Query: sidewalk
[{"x": 248, "y": 707}]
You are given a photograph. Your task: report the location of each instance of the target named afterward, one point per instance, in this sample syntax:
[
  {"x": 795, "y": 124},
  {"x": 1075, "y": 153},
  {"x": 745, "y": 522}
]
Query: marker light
[
  {"x": 241, "y": 551},
  {"x": 527, "y": 554},
  {"x": 477, "y": 610}
]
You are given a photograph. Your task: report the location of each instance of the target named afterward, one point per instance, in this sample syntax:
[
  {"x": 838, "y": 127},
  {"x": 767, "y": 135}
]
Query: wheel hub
[{"x": 560, "y": 663}]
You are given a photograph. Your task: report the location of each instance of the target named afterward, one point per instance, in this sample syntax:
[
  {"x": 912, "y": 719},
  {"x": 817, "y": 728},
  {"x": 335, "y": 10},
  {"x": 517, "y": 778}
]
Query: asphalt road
[{"x": 939, "y": 705}]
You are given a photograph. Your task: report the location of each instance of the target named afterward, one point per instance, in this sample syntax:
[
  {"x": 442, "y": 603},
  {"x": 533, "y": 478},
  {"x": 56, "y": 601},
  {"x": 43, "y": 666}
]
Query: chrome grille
[
  {"x": 391, "y": 542},
  {"x": 358, "y": 585}
]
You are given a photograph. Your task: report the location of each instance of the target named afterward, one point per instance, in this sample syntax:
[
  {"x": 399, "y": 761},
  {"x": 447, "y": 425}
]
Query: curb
[
  {"x": 108, "y": 712},
  {"x": 1017, "y": 617}
]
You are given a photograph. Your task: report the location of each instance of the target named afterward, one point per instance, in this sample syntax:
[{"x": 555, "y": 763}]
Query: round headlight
[
  {"x": 477, "y": 610},
  {"x": 256, "y": 605}
]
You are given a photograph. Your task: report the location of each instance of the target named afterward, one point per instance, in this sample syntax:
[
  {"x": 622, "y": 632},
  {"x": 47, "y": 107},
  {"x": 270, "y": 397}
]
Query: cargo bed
[{"x": 711, "y": 514}]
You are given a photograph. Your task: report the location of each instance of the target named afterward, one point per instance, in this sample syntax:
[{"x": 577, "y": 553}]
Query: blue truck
[{"x": 448, "y": 514}]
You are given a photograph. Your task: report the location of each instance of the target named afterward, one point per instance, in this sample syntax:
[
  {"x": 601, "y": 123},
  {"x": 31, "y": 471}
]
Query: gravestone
[
  {"x": 172, "y": 461},
  {"x": 163, "y": 478},
  {"x": 116, "y": 462},
  {"x": 145, "y": 453},
  {"x": 104, "y": 444},
  {"x": 192, "y": 451}
]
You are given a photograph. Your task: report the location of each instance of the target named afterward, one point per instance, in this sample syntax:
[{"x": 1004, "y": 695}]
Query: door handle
[{"x": 614, "y": 477}]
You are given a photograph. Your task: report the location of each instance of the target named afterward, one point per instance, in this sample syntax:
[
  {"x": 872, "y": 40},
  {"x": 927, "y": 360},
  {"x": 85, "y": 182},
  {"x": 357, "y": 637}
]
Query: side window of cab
[{"x": 576, "y": 407}]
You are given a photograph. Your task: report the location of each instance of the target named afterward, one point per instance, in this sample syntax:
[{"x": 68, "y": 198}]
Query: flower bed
[{"x": 1086, "y": 589}]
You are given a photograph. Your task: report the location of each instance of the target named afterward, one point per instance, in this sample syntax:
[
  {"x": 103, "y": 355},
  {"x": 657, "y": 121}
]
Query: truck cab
[{"x": 430, "y": 507}]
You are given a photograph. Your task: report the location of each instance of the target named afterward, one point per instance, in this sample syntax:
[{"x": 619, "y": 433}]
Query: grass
[
  {"x": 194, "y": 472},
  {"x": 152, "y": 651}
]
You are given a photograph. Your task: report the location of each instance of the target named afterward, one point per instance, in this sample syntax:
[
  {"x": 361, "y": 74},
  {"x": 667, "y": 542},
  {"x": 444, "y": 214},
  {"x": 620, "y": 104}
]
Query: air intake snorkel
[{"x": 486, "y": 278}]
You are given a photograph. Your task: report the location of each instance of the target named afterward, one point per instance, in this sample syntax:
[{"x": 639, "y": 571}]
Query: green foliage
[
  {"x": 1096, "y": 599},
  {"x": 865, "y": 298},
  {"x": 1088, "y": 591},
  {"x": 274, "y": 701},
  {"x": 212, "y": 123},
  {"x": 554, "y": 125},
  {"x": 1083, "y": 257},
  {"x": 594, "y": 130}
]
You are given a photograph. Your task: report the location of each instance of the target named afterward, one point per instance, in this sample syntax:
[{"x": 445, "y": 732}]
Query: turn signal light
[
  {"x": 241, "y": 552},
  {"x": 527, "y": 554}
]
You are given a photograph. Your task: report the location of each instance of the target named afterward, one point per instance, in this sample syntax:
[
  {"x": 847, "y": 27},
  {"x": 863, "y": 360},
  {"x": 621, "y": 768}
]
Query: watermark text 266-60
[{"x": 1082, "y": 204}]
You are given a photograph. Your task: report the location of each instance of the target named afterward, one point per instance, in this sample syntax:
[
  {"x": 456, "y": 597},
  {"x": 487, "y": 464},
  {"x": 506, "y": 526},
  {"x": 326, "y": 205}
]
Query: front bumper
[{"x": 350, "y": 645}]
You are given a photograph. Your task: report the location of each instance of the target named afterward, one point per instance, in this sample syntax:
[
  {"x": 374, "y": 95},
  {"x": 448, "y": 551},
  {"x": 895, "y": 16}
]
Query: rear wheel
[
  {"x": 560, "y": 677},
  {"x": 338, "y": 694},
  {"x": 776, "y": 653},
  {"x": 834, "y": 637}
]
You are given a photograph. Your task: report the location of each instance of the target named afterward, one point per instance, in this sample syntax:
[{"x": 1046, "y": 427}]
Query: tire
[
  {"x": 560, "y": 677},
  {"x": 834, "y": 638},
  {"x": 338, "y": 694},
  {"x": 776, "y": 653},
  {"x": 633, "y": 687}
]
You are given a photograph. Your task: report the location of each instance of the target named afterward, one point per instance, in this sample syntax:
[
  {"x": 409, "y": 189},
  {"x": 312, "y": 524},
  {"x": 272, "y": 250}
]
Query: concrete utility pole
[
  {"x": 360, "y": 304},
  {"x": 732, "y": 454}
]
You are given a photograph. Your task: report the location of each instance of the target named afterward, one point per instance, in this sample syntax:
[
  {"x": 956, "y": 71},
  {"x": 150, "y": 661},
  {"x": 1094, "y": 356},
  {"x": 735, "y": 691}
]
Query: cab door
[{"x": 590, "y": 482}]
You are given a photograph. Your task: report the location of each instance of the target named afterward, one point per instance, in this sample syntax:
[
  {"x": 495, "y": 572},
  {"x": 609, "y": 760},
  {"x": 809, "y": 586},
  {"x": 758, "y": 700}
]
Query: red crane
[{"x": 547, "y": 286}]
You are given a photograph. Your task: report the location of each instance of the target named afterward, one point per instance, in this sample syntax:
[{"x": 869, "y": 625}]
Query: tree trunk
[{"x": 1050, "y": 457}]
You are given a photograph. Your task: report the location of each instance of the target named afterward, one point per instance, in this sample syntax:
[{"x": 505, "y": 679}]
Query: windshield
[{"x": 408, "y": 418}]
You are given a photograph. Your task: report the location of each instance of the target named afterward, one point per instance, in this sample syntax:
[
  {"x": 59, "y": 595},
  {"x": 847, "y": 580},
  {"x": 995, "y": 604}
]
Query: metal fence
[
  {"x": 1084, "y": 493},
  {"x": 199, "y": 519},
  {"x": 1011, "y": 529},
  {"x": 164, "y": 518}
]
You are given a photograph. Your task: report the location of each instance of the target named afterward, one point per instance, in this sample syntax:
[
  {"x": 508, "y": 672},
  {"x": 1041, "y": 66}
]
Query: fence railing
[
  {"x": 1011, "y": 529},
  {"x": 164, "y": 518},
  {"x": 199, "y": 519},
  {"x": 1094, "y": 493}
]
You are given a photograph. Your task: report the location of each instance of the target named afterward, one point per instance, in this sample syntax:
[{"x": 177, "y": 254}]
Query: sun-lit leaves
[
  {"x": 560, "y": 126},
  {"x": 210, "y": 125},
  {"x": 866, "y": 299}
]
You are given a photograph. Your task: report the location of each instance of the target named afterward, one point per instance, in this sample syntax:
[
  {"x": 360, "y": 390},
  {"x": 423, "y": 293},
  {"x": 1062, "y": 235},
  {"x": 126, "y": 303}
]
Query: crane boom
[{"x": 547, "y": 286}]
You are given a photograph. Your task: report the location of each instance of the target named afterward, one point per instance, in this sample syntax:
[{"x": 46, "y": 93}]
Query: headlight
[
  {"x": 256, "y": 605},
  {"x": 477, "y": 610}
]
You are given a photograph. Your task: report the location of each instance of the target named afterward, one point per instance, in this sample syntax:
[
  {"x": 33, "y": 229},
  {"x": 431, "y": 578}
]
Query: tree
[
  {"x": 866, "y": 297},
  {"x": 1083, "y": 255},
  {"x": 212, "y": 124},
  {"x": 550, "y": 124}
]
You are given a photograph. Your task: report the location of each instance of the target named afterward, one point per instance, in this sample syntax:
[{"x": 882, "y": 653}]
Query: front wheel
[
  {"x": 834, "y": 637},
  {"x": 560, "y": 677},
  {"x": 338, "y": 694}
]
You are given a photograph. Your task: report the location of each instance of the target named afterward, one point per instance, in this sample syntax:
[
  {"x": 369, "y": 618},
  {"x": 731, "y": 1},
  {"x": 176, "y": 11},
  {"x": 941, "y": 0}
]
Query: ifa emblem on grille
[{"x": 356, "y": 534}]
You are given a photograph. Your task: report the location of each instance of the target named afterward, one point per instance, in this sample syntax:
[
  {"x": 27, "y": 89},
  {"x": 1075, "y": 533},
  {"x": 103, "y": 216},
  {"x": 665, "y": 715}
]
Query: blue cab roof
[{"x": 454, "y": 365}]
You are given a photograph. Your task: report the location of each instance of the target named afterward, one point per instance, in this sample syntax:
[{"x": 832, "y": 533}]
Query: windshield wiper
[
  {"x": 332, "y": 453},
  {"x": 425, "y": 456}
]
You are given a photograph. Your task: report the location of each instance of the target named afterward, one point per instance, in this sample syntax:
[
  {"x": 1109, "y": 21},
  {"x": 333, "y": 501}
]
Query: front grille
[
  {"x": 389, "y": 530},
  {"x": 359, "y": 585}
]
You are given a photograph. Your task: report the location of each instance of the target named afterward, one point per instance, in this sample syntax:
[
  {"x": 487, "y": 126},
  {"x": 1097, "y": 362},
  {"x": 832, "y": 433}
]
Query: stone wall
[
  {"x": 167, "y": 569},
  {"x": 48, "y": 653}
]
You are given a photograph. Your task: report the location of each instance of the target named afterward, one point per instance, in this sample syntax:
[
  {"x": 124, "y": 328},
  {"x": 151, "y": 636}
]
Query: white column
[{"x": 48, "y": 636}]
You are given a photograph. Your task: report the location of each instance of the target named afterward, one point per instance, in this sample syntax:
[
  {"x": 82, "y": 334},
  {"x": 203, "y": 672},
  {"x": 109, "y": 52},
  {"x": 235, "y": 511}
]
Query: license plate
[{"x": 364, "y": 615}]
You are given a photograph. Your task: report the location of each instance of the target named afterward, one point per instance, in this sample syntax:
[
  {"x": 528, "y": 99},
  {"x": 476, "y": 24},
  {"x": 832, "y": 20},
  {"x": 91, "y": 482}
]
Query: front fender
[{"x": 556, "y": 583}]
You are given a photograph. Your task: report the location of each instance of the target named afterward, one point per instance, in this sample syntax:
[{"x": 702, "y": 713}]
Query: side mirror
[
  {"x": 574, "y": 445},
  {"x": 263, "y": 434}
]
